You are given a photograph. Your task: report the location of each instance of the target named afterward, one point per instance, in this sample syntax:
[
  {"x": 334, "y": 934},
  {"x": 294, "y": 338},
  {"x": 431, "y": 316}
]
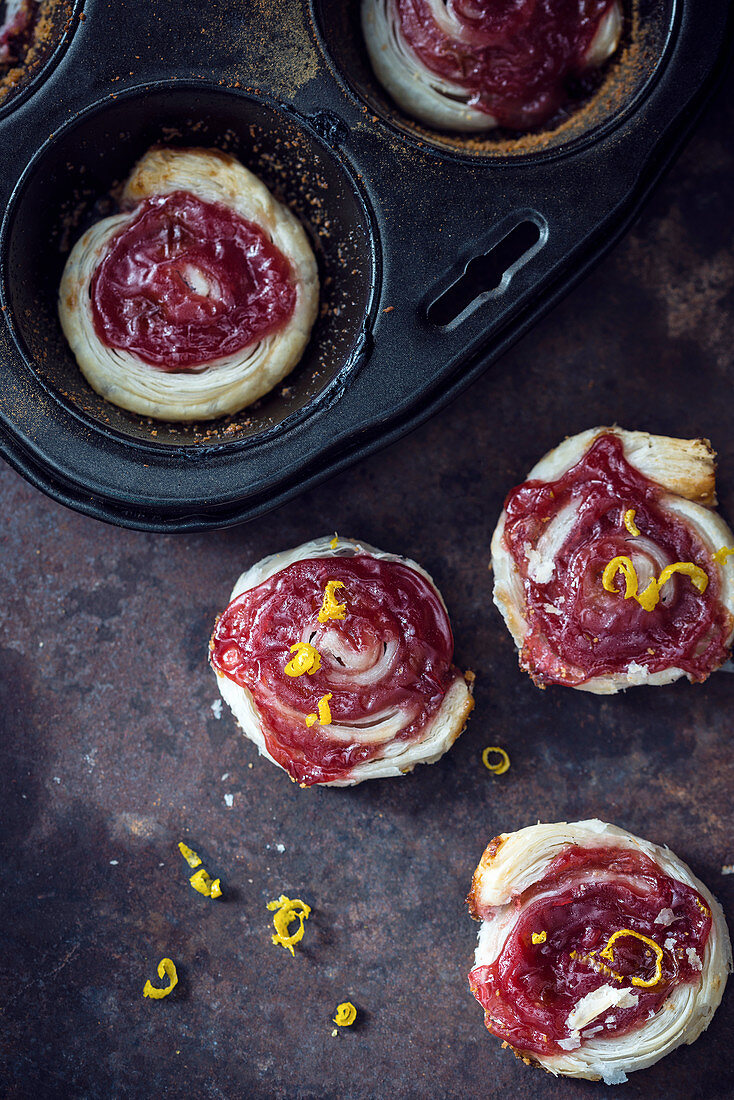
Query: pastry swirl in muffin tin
[{"x": 206, "y": 307}]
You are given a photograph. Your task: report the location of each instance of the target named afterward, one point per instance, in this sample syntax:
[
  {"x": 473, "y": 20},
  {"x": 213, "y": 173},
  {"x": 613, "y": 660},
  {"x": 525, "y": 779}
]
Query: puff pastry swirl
[
  {"x": 381, "y": 693},
  {"x": 456, "y": 66},
  {"x": 170, "y": 195},
  {"x": 599, "y": 952},
  {"x": 611, "y": 567}
]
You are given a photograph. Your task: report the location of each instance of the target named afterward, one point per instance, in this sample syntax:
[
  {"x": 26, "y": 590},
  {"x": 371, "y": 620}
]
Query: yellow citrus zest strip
[
  {"x": 189, "y": 855},
  {"x": 643, "y": 983},
  {"x": 539, "y": 937},
  {"x": 346, "y": 1014},
  {"x": 331, "y": 608},
  {"x": 166, "y": 969},
  {"x": 688, "y": 569},
  {"x": 324, "y": 711},
  {"x": 501, "y": 766},
  {"x": 307, "y": 659},
  {"x": 601, "y": 967},
  {"x": 650, "y": 596},
  {"x": 721, "y": 555},
  {"x": 334, "y": 542},
  {"x": 286, "y": 911},
  {"x": 702, "y": 907},
  {"x": 324, "y": 715},
  {"x": 203, "y": 884},
  {"x": 623, "y": 565},
  {"x": 629, "y": 522}
]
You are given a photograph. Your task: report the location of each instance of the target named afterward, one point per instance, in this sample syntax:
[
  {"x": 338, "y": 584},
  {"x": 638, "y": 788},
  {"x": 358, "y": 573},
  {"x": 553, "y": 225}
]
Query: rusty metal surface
[{"x": 112, "y": 750}]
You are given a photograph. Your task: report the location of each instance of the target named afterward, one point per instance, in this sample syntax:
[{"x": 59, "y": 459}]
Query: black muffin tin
[{"x": 435, "y": 253}]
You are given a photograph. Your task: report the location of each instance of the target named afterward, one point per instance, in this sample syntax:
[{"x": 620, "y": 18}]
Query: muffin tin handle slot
[{"x": 488, "y": 275}]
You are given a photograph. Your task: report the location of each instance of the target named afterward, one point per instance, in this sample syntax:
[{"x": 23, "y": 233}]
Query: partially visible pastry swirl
[
  {"x": 468, "y": 66},
  {"x": 17, "y": 20},
  {"x": 611, "y": 567},
  {"x": 198, "y": 298},
  {"x": 336, "y": 659},
  {"x": 599, "y": 952}
]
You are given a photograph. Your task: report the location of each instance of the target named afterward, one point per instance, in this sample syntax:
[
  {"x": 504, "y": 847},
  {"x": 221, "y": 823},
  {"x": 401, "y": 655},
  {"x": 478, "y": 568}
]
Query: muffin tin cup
[
  {"x": 60, "y": 20},
  {"x": 621, "y": 84},
  {"x": 433, "y": 260},
  {"x": 68, "y": 185}
]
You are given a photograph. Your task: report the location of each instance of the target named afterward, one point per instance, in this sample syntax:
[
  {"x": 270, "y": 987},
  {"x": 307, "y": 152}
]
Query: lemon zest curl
[
  {"x": 698, "y": 578},
  {"x": 346, "y": 1014},
  {"x": 539, "y": 937},
  {"x": 650, "y": 596},
  {"x": 307, "y": 659},
  {"x": 166, "y": 969},
  {"x": 499, "y": 768},
  {"x": 286, "y": 910},
  {"x": 191, "y": 857},
  {"x": 324, "y": 716},
  {"x": 331, "y": 608},
  {"x": 629, "y": 522},
  {"x": 643, "y": 983},
  {"x": 721, "y": 555},
  {"x": 621, "y": 564},
  {"x": 203, "y": 883}
]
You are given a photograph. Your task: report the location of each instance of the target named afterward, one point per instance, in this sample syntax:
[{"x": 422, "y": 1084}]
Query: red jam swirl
[
  {"x": 585, "y": 896},
  {"x": 514, "y": 57},
  {"x": 187, "y": 282},
  {"x": 390, "y": 656},
  {"x": 576, "y": 629}
]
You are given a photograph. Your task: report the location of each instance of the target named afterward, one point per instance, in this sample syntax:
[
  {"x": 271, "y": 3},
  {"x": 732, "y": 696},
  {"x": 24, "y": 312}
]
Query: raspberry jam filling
[
  {"x": 577, "y": 629},
  {"x": 586, "y": 895},
  {"x": 187, "y": 282},
  {"x": 385, "y": 666},
  {"x": 514, "y": 57}
]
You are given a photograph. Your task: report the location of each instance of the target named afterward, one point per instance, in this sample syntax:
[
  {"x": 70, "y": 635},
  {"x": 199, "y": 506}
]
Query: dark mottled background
[{"x": 112, "y": 749}]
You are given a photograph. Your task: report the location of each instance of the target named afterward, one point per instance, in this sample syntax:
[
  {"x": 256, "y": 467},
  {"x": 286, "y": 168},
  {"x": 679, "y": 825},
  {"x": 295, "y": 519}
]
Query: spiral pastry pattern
[
  {"x": 337, "y": 661},
  {"x": 198, "y": 298},
  {"x": 612, "y": 568},
  {"x": 468, "y": 65},
  {"x": 599, "y": 952}
]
